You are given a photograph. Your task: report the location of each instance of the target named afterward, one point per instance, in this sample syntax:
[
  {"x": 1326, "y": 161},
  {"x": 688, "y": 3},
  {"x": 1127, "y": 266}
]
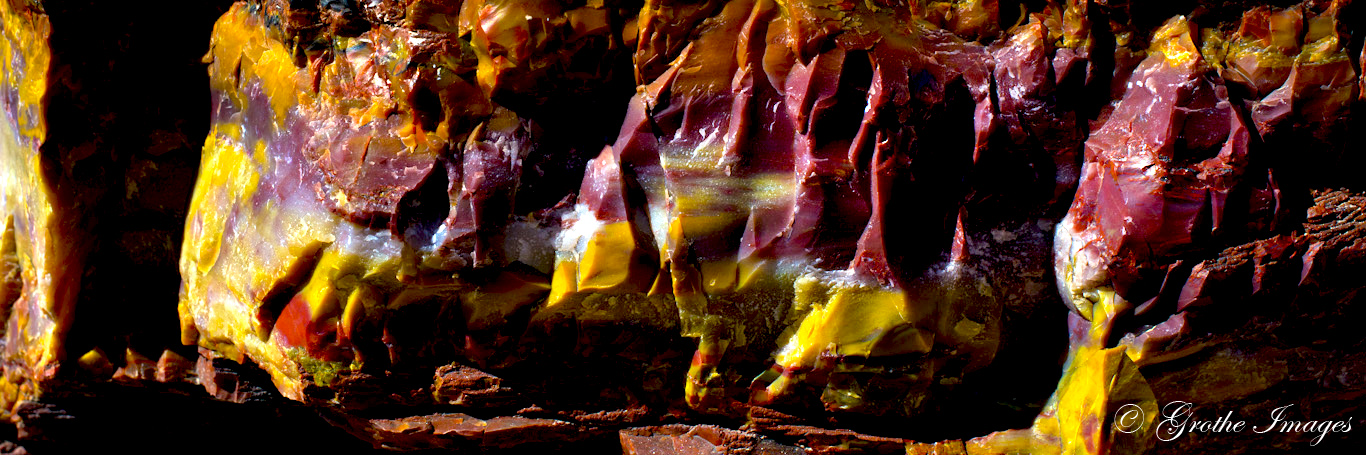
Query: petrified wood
[{"x": 709, "y": 226}]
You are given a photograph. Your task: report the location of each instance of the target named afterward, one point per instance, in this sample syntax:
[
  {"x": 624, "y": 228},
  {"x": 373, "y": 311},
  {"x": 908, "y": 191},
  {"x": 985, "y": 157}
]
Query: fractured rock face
[
  {"x": 1188, "y": 276},
  {"x": 360, "y": 215},
  {"x": 39, "y": 313},
  {"x": 841, "y": 223},
  {"x": 1157, "y": 177},
  {"x": 366, "y": 203},
  {"x": 746, "y": 186},
  {"x": 826, "y": 207},
  {"x": 95, "y": 165}
]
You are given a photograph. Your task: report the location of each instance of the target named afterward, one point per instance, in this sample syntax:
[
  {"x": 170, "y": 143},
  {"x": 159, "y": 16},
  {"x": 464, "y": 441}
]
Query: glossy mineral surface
[
  {"x": 37, "y": 301},
  {"x": 95, "y": 171},
  {"x": 383, "y": 199},
  {"x": 828, "y": 208}
]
